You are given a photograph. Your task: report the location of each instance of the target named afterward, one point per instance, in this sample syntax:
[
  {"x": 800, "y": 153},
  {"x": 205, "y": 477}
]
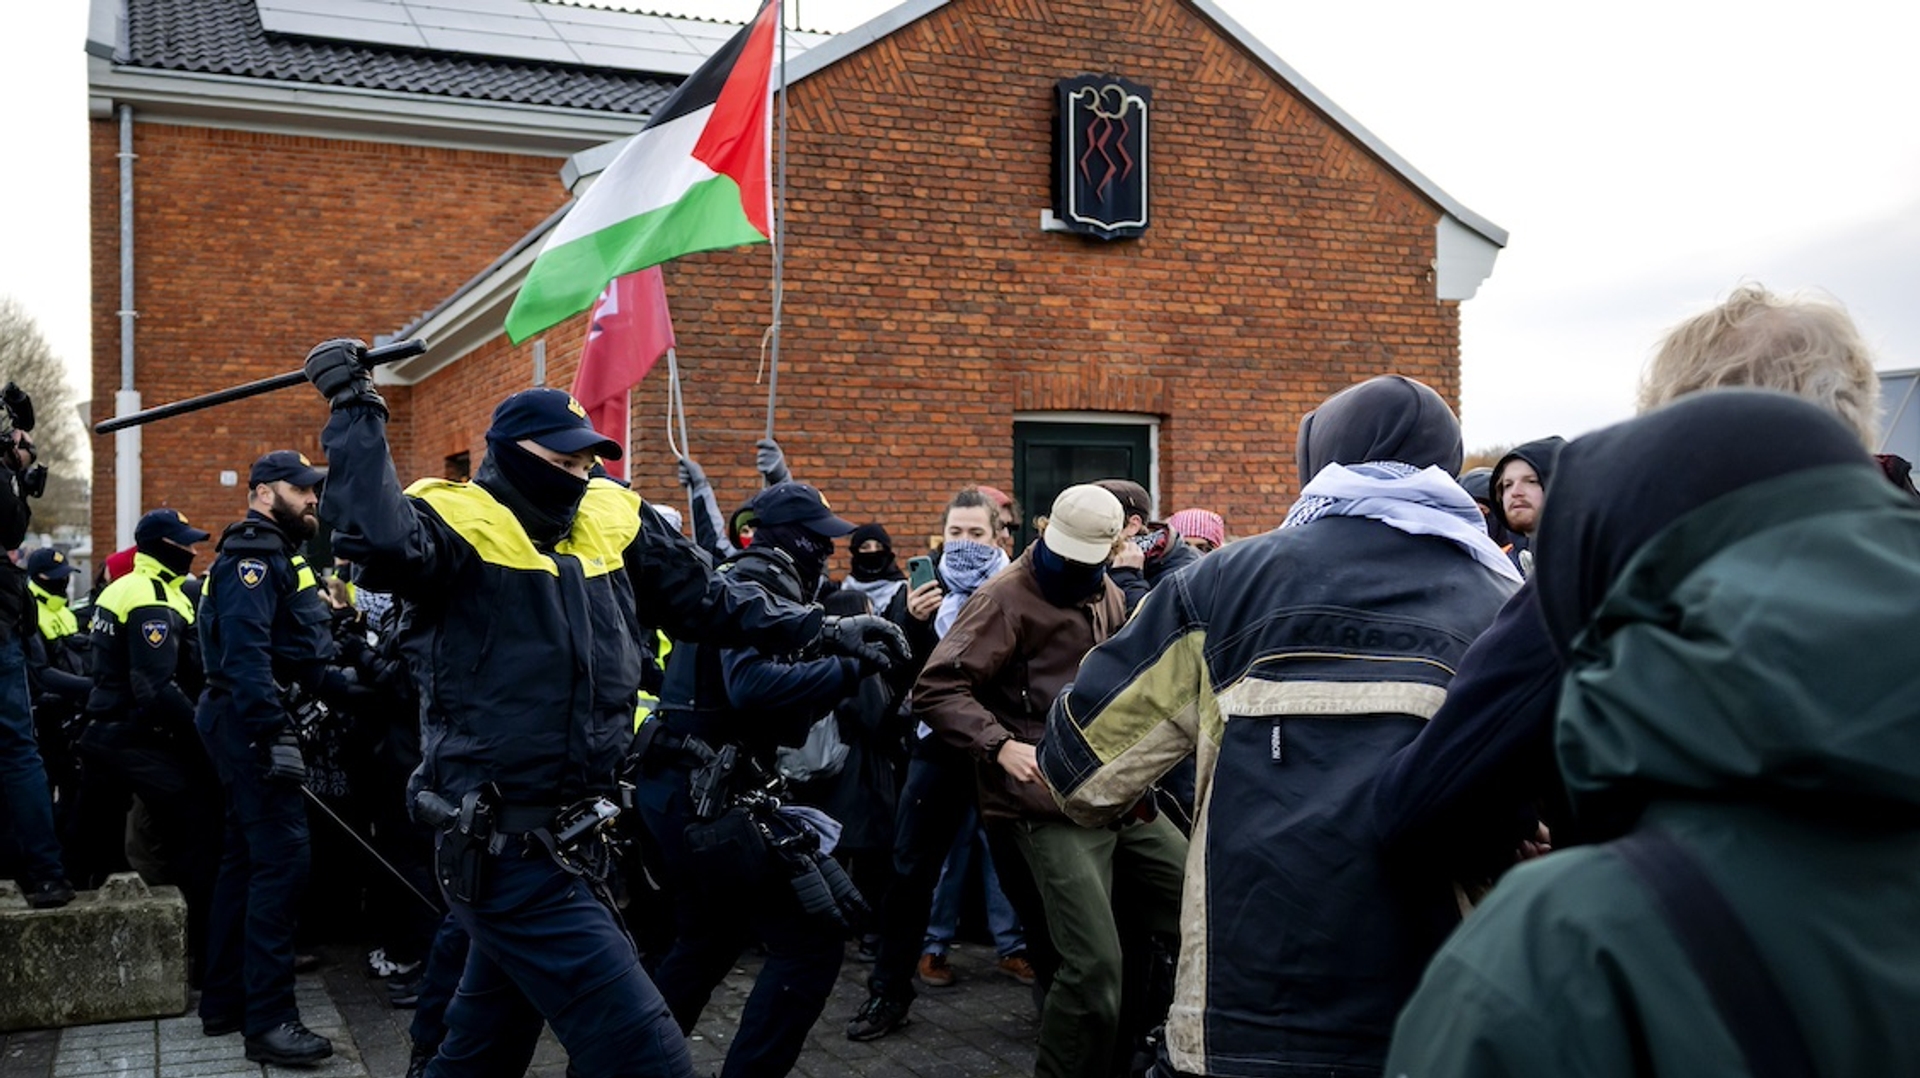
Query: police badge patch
[
  {"x": 252, "y": 572},
  {"x": 154, "y": 633}
]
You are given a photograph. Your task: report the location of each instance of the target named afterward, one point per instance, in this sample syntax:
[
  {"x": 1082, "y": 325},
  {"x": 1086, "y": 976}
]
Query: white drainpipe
[{"x": 126, "y": 443}]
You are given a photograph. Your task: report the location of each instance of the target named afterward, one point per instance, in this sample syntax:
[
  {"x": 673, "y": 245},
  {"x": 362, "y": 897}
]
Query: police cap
[
  {"x": 553, "y": 420},
  {"x": 166, "y": 524},
  {"x": 798, "y": 503},
  {"x": 49, "y": 565},
  {"x": 285, "y": 464}
]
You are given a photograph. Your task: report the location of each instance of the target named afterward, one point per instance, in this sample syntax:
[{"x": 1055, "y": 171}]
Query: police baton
[
  {"x": 386, "y": 353},
  {"x": 371, "y": 852}
]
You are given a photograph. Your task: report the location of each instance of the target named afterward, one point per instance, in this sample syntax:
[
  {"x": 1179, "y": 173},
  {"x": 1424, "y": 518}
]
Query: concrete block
[{"x": 112, "y": 955}]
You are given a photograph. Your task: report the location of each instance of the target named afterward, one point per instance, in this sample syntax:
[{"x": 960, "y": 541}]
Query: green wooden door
[{"x": 1049, "y": 457}]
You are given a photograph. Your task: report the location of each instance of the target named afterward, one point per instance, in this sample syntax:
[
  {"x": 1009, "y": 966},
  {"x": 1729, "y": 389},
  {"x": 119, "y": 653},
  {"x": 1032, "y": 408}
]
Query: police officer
[
  {"x": 265, "y": 628},
  {"x": 48, "y": 574},
  {"x": 530, "y": 587},
  {"x": 139, "y": 737},
  {"x": 756, "y": 700},
  {"x": 58, "y": 674}
]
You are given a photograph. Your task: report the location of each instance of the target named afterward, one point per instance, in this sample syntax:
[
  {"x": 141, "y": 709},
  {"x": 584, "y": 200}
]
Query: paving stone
[
  {"x": 200, "y": 1053},
  {"x": 80, "y": 1056},
  {"x": 985, "y": 1025},
  {"x": 237, "y": 1067},
  {"x": 90, "y": 1062}
]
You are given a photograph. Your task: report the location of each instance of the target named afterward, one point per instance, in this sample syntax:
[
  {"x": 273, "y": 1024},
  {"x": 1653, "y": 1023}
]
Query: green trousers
[{"x": 1077, "y": 869}]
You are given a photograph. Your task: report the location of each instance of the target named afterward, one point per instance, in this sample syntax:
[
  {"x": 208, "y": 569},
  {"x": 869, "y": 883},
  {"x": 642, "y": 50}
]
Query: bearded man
[{"x": 263, "y": 629}]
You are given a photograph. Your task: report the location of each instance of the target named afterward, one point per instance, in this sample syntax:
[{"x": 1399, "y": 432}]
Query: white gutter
[{"x": 251, "y": 104}]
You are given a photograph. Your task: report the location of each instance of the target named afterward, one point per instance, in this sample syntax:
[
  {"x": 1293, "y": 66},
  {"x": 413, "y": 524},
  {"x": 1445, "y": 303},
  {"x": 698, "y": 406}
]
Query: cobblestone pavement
[{"x": 984, "y": 1025}]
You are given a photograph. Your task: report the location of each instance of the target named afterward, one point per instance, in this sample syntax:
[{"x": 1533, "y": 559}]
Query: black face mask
[
  {"x": 541, "y": 495},
  {"x": 178, "y": 560},
  {"x": 808, "y": 551},
  {"x": 875, "y": 565},
  {"x": 1063, "y": 582}
]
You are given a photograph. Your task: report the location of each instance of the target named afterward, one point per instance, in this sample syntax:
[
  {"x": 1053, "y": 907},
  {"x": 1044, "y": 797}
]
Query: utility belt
[
  {"x": 117, "y": 727},
  {"x": 482, "y": 825}
]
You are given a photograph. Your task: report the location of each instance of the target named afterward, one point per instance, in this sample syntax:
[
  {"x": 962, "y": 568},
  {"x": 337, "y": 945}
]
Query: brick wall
[
  {"x": 249, "y": 248},
  {"x": 924, "y": 306}
]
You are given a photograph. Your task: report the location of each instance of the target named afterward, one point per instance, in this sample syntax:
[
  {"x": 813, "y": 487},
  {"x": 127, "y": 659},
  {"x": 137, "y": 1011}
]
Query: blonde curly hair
[{"x": 1806, "y": 345}]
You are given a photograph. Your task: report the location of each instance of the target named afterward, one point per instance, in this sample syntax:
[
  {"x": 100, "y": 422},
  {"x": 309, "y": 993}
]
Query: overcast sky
[{"x": 1645, "y": 156}]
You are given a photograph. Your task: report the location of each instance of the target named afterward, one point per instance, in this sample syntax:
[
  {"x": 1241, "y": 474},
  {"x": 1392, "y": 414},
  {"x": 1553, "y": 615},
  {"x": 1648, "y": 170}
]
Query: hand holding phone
[{"x": 919, "y": 571}]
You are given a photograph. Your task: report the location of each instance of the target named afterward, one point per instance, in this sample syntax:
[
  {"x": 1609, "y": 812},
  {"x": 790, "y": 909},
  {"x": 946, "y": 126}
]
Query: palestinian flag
[{"x": 696, "y": 178}]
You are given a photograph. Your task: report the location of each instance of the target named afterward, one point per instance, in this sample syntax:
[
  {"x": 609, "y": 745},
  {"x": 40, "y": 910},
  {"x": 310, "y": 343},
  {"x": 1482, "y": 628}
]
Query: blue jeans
[
  {"x": 969, "y": 845},
  {"x": 546, "y": 950},
  {"x": 23, "y": 775}
]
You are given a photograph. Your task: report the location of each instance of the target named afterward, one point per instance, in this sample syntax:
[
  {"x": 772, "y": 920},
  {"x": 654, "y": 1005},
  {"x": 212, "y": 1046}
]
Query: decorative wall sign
[{"x": 1100, "y": 156}]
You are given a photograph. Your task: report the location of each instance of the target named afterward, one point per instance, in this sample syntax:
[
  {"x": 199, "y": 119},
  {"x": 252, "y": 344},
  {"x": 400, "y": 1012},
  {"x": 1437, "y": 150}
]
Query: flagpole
[
  {"x": 677, "y": 403},
  {"x": 779, "y": 234},
  {"x": 626, "y": 436}
]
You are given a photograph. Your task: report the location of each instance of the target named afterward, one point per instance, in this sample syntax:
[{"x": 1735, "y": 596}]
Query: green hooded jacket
[{"x": 1749, "y": 686}]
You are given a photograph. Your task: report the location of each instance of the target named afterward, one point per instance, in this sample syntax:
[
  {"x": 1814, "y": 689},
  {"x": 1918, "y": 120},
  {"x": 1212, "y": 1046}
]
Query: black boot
[
  {"x": 288, "y": 1044},
  {"x": 49, "y": 894},
  {"x": 417, "y": 1062},
  {"x": 877, "y": 1017}
]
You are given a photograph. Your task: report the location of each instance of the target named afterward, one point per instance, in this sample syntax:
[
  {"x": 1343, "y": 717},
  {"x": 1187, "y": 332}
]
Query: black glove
[
  {"x": 875, "y": 643},
  {"x": 770, "y": 462},
  {"x": 691, "y": 474},
  {"x": 338, "y": 369},
  {"x": 18, "y": 405},
  {"x": 284, "y": 762}
]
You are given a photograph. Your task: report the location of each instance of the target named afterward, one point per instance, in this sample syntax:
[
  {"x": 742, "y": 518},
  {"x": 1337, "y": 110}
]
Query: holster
[{"x": 460, "y": 859}]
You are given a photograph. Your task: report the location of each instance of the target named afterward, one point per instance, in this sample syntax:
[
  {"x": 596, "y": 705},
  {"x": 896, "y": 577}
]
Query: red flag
[{"x": 631, "y": 330}]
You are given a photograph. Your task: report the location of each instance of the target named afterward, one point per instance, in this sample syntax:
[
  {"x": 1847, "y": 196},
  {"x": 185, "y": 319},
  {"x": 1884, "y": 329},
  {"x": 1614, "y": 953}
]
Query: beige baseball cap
[{"x": 1083, "y": 524}]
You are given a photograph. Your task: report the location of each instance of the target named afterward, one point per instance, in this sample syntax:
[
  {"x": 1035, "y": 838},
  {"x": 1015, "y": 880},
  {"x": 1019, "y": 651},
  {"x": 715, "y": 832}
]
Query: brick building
[{"x": 939, "y": 330}]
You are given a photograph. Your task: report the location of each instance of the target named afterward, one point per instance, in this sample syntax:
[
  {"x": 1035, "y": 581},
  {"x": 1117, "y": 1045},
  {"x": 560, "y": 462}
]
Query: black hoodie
[
  {"x": 1541, "y": 455},
  {"x": 1385, "y": 418}
]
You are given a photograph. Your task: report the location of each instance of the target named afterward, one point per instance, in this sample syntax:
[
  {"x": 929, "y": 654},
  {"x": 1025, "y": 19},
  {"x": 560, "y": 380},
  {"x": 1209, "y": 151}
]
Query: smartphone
[{"x": 919, "y": 571}]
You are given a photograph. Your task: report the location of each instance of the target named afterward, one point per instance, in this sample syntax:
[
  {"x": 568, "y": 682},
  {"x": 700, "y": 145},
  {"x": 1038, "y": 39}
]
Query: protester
[
  {"x": 724, "y": 539},
  {"x": 1016, "y": 644},
  {"x": 966, "y": 562},
  {"x": 937, "y": 799},
  {"x": 1479, "y": 782},
  {"x": 1710, "y": 571},
  {"x": 1153, "y": 550},
  {"x": 1478, "y": 483},
  {"x": 1518, "y": 486},
  {"x": 1202, "y": 529},
  {"x": 1295, "y": 662},
  {"x": 1007, "y": 513}
]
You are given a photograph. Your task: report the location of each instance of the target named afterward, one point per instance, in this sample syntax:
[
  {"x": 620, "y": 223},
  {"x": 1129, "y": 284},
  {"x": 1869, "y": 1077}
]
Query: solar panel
[{"x": 516, "y": 30}]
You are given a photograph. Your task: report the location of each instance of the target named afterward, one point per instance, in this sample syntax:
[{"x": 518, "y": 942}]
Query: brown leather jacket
[{"x": 997, "y": 670}]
